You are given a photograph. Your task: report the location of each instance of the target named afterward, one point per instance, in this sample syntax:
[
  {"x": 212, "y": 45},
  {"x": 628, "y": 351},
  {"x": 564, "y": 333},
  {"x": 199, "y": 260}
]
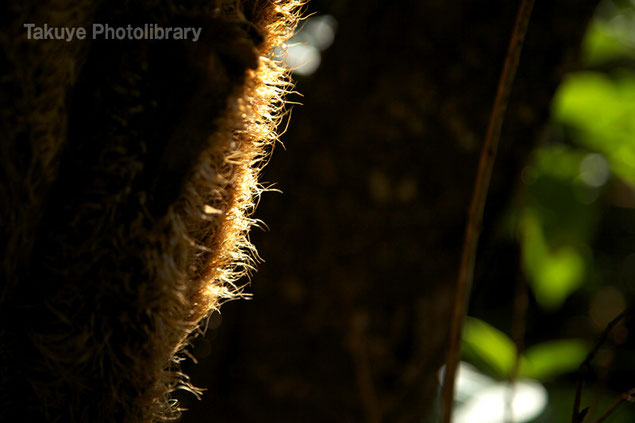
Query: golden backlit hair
[{"x": 110, "y": 286}]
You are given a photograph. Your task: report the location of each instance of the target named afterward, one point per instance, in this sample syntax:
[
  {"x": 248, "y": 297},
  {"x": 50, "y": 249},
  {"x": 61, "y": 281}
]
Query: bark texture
[
  {"x": 351, "y": 307},
  {"x": 128, "y": 169}
]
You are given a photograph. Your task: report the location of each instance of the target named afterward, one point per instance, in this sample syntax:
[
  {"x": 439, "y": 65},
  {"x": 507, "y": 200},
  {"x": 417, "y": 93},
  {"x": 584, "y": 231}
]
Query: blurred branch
[
  {"x": 475, "y": 213},
  {"x": 578, "y": 416},
  {"x": 518, "y": 333},
  {"x": 626, "y": 396}
]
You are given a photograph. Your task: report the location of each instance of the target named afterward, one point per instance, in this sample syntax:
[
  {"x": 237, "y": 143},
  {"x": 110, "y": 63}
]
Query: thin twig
[
  {"x": 626, "y": 396},
  {"x": 518, "y": 333},
  {"x": 475, "y": 214},
  {"x": 577, "y": 415}
]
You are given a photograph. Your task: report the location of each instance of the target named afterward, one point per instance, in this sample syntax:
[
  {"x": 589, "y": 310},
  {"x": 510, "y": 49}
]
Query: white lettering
[
  {"x": 120, "y": 33},
  {"x": 48, "y": 32},
  {"x": 138, "y": 33},
  {"x": 107, "y": 32},
  {"x": 197, "y": 33},
  {"x": 29, "y": 27},
  {"x": 159, "y": 33},
  {"x": 97, "y": 30},
  {"x": 178, "y": 33}
]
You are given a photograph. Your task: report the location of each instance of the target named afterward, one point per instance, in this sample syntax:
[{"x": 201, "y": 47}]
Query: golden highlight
[{"x": 112, "y": 273}]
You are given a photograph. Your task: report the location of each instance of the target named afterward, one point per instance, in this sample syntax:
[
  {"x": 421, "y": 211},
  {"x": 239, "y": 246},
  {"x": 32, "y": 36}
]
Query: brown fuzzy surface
[{"x": 128, "y": 170}]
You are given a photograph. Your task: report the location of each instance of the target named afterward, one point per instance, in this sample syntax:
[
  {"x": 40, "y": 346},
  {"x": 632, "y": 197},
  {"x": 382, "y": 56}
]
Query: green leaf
[
  {"x": 602, "y": 43},
  {"x": 561, "y": 273},
  {"x": 558, "y": 162},
  {"x": 601, "y": 111},
  {"x": 494, "y": 352},
  {"x": 553, "y": 274},
  {"x": 488, "y": 347},
  {"x": 553, "y": 358}
]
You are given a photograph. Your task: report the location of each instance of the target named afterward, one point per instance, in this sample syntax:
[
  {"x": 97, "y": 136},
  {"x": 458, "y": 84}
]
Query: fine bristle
[{"x": 129, "y": 172}]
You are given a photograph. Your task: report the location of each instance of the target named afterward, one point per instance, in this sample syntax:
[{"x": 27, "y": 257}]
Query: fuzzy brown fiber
[{"x": 128, "y": 170}]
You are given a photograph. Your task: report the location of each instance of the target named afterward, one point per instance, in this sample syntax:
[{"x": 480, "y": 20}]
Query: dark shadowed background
[{"x": 350, "y": 307}]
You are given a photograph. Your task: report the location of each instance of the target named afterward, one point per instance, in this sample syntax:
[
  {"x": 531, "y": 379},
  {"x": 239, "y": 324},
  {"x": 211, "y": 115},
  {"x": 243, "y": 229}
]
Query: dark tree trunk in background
[
  {"x": 351, "y": 308},
  {"x": 127, "y": 165}
]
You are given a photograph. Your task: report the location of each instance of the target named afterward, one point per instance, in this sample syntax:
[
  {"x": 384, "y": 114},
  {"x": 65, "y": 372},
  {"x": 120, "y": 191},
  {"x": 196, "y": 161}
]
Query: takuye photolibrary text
[{"x": 103, "y": 31}]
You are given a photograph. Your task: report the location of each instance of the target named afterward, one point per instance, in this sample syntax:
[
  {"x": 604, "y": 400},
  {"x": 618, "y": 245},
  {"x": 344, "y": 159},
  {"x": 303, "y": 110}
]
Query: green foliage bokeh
[{"x": 571, "y": 187}]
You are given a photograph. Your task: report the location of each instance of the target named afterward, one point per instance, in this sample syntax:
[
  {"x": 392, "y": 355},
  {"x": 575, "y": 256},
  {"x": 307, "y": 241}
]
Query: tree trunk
[{"x": 128, "y": 166}]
